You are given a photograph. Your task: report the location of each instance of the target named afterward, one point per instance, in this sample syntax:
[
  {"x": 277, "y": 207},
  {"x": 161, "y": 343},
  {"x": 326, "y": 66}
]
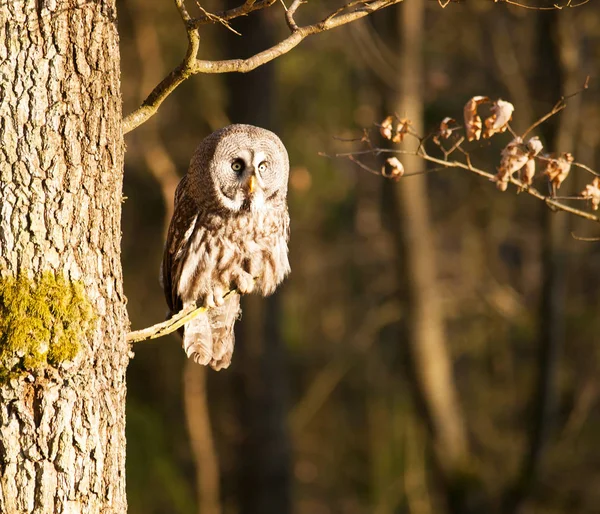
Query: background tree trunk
[
  {"x": 62, "y": 431},
  {"x": 430, "y": 357},
  {"x": 258, "y": 369}
]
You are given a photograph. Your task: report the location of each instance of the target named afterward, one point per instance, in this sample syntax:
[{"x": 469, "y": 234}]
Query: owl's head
[{"x": 240, "y": 167}]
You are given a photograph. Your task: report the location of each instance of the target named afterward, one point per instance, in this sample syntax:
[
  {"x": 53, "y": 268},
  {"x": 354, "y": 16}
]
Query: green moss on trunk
[{"x": 42, "y": 322}]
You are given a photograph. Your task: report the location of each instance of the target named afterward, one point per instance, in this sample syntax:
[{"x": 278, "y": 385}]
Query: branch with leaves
[{"x": 518, "y": 160}]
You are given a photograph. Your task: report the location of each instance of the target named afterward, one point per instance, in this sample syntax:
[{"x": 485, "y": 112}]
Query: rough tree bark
[{"x": 62, "y": 431}]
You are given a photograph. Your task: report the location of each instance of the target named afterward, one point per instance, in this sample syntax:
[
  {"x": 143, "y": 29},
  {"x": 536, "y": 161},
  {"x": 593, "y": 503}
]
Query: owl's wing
[
  {"x": 197, "y": 333},
  {"x": 181, "y": 228}
]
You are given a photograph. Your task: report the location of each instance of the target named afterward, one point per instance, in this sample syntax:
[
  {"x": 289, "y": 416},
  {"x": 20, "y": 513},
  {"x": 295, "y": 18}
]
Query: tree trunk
[
  {"x": 429, "y": 349},
  {"x": 429, "y": 354},
  {"x": 62, "y": 426},
  {"x": 557, "y": 74}
]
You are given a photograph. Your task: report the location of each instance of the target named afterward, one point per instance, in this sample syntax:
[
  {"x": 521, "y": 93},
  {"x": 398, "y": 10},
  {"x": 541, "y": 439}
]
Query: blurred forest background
[{"x": 435, "y": 349}]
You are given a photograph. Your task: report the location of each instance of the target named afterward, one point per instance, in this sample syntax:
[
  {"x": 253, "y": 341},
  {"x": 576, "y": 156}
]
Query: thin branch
[
  {"x": 248, "y": 7},
  {"x": 586, "y": 168},
  {"x": 171, "y": 81},
  {"x": 185, "y": 16},
  {"x": 559, "y": 106},
  {"x": 551, "y": 202},
  {"x": 170, "y": 325},
  {"x": 190, "y": 65},
  {"x": 289, "y": 15},
  {"x": 586, "y": 239},
  {"x": 542, "y": 8},
  {"x": 214, "y": 18}
]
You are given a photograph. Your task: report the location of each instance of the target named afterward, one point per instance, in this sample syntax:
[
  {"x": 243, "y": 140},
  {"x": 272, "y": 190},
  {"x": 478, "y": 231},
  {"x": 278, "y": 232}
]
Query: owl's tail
[{"x": 209, "y": 337}]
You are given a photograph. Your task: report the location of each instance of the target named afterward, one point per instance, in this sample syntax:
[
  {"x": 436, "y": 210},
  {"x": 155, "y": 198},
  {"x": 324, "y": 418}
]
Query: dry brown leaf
[
  {"x": 535, "y": 146},
  {"x": 445, "y": 130},
  {"x": 528, "y": 172},
  {"x": 392, "y": 168},
  {"x": 385, "y": 129},
  {"x": 514, "y": 157},
  {"x": 401, "y": 130},
  {"x": 592, "y": 192},
  {"x": 473, "y": 124},
  {"x": 558, "y": 169},
  {"x": 498, "y": 122}
]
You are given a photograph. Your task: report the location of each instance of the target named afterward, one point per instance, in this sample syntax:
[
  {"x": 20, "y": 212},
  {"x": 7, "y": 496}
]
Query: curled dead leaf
[
  {"x": 473, "y": 124},
  {"x": 392, "y": 168},
  {"x": 445, "y": 131},
  {"x": 592, "y": 192},
  {"x": 385, "y": 129},
  {"x": 528, "y": 172},
  {"x": 514, "y": 157},
  {"x": 401, "y": 130},
  {"x": 558, "y": 169},
  {"x": 535, "y": 146},
  {"x": 498, "y": 122}
]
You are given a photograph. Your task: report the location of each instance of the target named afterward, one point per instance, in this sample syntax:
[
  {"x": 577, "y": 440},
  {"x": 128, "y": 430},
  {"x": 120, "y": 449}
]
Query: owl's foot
[
  {"x": 199, "y": 353},
  {"x": 219, "y": 350},
  {"x": 215, "y": 297},
  {"x": 244, "y": 282},
  {"x": 223, "y": 362}
]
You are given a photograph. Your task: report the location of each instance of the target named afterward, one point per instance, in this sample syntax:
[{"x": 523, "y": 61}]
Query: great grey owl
[{"x": 229, "y": 231}]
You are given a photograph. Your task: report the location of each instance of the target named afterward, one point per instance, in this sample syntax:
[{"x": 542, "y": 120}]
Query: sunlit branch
[
  {"x": 191, "y": 65},
  {"x": 171, "y": 325}
]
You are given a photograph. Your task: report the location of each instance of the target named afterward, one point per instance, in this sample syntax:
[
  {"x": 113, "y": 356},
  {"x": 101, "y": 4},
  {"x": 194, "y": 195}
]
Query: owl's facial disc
[{"x": 243, "y": 184}]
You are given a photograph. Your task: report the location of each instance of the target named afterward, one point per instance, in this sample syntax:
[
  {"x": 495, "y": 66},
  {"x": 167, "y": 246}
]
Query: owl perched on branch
[{"x": 229, "y": 231}]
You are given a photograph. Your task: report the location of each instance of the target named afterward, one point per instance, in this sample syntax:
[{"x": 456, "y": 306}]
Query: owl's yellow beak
[{"x": 252, "y": 184}]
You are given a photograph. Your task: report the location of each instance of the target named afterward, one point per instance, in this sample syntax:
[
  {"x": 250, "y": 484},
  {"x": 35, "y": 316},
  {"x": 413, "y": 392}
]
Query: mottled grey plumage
[{"x": 229, "y": 230}]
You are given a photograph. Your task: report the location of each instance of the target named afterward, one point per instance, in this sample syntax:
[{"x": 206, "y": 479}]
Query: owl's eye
[
  {"x": 262, "y": 166},
  {"x": 237, "y": 165}
]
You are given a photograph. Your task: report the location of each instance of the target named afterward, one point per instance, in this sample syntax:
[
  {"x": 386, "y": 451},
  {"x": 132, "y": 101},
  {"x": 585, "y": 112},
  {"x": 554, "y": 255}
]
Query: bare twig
[
  {"x": 214, "y": 18},
  {"x": 171, "y": 81},
  {"x": 246, "y": 8},
  {"x": 170, "y": 325},
  {"x": 542, "y": 8},
  {"x": 586, "y": 168},
  {"x": 191, "y": 65},
  {"x": 586, "y": 239},
  {"x": 559, "y": 106},
  {"x": 289, "y": 15}
]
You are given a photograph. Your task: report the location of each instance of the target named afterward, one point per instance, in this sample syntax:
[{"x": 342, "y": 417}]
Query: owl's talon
[
  {"x": 209, "y": 301},
  {"x": 244, "y": 282},
  {"x": 199, "y": 353},
  {"x": 218, "y": 297},
  {"x": 222, "y": 362},
  {"x": 202, "y": 358}
]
